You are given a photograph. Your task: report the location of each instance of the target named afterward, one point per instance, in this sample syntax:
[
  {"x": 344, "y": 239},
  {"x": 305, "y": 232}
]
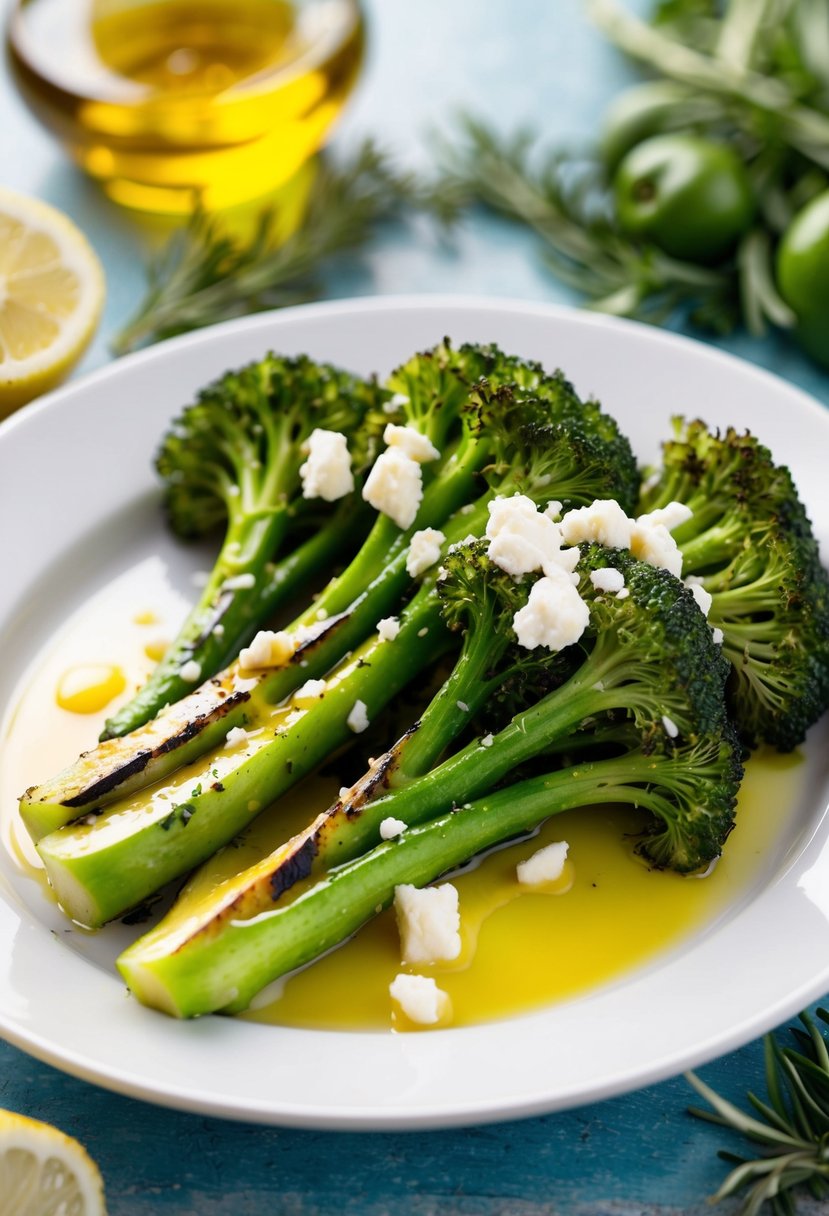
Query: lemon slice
[
  {"x": 51, "y": 293},
  {"x": 45, "y": 1173}
]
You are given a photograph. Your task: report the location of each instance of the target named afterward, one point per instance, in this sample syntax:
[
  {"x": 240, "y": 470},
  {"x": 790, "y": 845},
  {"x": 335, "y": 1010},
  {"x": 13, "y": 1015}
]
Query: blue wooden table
[{"x": 513, "y": 60}]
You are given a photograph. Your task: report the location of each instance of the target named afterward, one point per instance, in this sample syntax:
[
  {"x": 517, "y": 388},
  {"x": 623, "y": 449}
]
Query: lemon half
[
  {"x": 51, "y": 294},
  {"x": 45, "y": 1173}
]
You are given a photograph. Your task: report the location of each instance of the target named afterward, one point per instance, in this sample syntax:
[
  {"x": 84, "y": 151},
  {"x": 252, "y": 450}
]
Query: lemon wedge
[
  {"x": 43, "y": 1172},
  {"x": 51, "y": 293}
]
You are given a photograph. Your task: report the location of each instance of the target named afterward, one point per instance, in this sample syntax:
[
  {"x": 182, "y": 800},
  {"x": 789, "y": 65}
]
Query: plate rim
[{"x": 465, "y": 1113}]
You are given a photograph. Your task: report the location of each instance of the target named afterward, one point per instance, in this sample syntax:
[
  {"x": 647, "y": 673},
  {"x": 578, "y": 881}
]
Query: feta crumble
[
  {"x": 429, "y": 922},
  {"x": 603, "y": 521},
  {"x": 268, "y": 649},
  {"x": 704, "y": 598},
  {"x": 239, "y": 582},
  {"x": 327, "y": 471},
  {"x": 487, "y": 741},
  {"x": 546, "y": 865},
  {"x": 310, "y": 692},
  {"x": 671, "y": 516},
  {"x": 424, "y": 551},
  {"x": 391, "y": 827},
  {"x": 236, "y": 736},
  {"x": 623, "y": 594},
  {"x": 395, "y": 486},
  {"x": 717, "y": 636},
  {"x": 388, "y": 628},
  {"x": 523, "y": 539},
  {"x": 462, "y": 706},
  {"x": 653, "y": 543},
  {"x": 554, "y": 616},
  {"x": 190, "y": 671},
  {"x": 419, "y": 998},
  {"x": 608, "y": 579},
  {"x": 416, "y": 446},
  {"x": 357, "y": 720},
  {"x": 671, "y": 728}
]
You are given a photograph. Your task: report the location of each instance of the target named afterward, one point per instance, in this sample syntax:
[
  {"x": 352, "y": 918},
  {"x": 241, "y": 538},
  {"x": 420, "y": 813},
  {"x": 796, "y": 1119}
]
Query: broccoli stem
[
  {"x": 237, "y": 612},
  {"x": 101, "y": 868},
  {"x": 222, "y": 958}
]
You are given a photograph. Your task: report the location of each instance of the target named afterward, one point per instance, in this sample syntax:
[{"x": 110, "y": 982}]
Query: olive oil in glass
[{"x": 173, "y": 102}]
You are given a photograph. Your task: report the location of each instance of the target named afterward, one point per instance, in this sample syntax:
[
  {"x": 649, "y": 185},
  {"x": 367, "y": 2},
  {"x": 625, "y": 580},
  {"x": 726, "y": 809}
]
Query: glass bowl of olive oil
[{"x": 170, "y": 103}]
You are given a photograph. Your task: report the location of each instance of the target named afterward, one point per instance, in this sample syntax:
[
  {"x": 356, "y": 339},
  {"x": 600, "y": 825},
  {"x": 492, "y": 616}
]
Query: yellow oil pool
[{"x": 607, "y": 915}]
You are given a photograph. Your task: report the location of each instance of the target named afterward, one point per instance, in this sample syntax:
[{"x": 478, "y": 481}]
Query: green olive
[
  {"x": 803, "y": 275},
  {"x": 688, "y": 195}
]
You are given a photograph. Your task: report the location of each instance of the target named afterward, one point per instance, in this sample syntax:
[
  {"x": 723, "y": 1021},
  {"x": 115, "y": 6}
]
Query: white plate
[{"x": 75, "y": 483}]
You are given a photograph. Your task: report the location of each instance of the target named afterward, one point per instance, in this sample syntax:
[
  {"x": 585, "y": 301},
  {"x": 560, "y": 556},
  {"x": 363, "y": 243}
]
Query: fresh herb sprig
[
  {"x": 565, "y": 199},
  {"x": 792, "y": 1129},
  {"x": 204, "y": 274}
]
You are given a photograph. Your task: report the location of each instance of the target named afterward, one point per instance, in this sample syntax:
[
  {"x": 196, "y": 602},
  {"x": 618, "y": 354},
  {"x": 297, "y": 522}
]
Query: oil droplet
[
  {"x": 147, "y": 617},
  {"x": 156, "y": 649},
  {"x": 89, "y": 687}
]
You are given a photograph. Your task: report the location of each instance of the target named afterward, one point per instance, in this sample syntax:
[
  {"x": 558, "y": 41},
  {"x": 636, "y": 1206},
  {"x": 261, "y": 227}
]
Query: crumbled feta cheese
[
  {"x": 388, "y": 628},
  {"x": 704, "y": 598},
  {"x": 416, "y": 446},
  {"x": 239, "y": 582},
  {"x": 623, "y": 594},
  {"x": 424, "y": 551},
  {"x": 321, "y": 614},
  {"x": 391, "y": 827},
  {"x": 671, "y": 728},
  {"x": 553, "y": 509},
  {"x": 603, "y": 521},
  {"x": 654, "y": 544},
  {"x": 357, "y": 720},
  {"x": 421, "y": 633},
  {"x": 523, "y": 539},
  {"x": 395, "y": 486},
  {"x": 268, "y": 649},
  {"x": 419, "y": 998},
  {"x": 219, "y": 630},
  {"x": 345, "y": 790},
  {"x": 236, "y": 736},
  {"x": 327, "y": 472},
  {"x": 395, "y": 403},
  {"x": 607, "y": 579},
  {"x": 429, "y": 922},
  {"x": 546, "y": 865},
  {"x": 717, "y": 636},
  {"x": 554, "y": 616},
  {"x": 670, "y": 517},
  {"x": 462, "y": 706},
  {"x": 486, "y": 741},
  {"x": 310, "y": 692},
  {"x": 190, "y": 671}
]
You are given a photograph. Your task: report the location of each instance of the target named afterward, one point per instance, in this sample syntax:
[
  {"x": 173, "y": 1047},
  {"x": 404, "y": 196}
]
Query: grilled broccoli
[
  {"x": 751, "y": 545},
  {"x": 101, "y": 869},
  {"x": 478, "y": 416},
  {"x": 232, "y": 460},
  {"x": 648, "y": 681}
]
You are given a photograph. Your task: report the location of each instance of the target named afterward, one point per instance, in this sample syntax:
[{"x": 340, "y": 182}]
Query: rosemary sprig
[
  {"x": 792, "y": 1129},
  {"x": 204, "y": 274},
  {"x": 565, "y": 199}
]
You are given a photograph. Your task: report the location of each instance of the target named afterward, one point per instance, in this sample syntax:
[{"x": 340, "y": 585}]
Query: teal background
[{"x": 515, "y": 61}]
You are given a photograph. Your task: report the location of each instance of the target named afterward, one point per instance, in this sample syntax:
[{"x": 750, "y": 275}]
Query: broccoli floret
[
  {"x": 232, "y": 459},
  {"x": 650, "y": 678},
  {"x": 751, "y": 544}
]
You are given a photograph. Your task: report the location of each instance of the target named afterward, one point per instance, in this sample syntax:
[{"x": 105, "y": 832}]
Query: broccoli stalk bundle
[
  {"x": 482, "y": 428},
  {"x": 650, "y": 682},
  {"x": 101, "y": 868},
  {"x": 750, "y": 544},
  {"x": 232, "y": 459}
]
